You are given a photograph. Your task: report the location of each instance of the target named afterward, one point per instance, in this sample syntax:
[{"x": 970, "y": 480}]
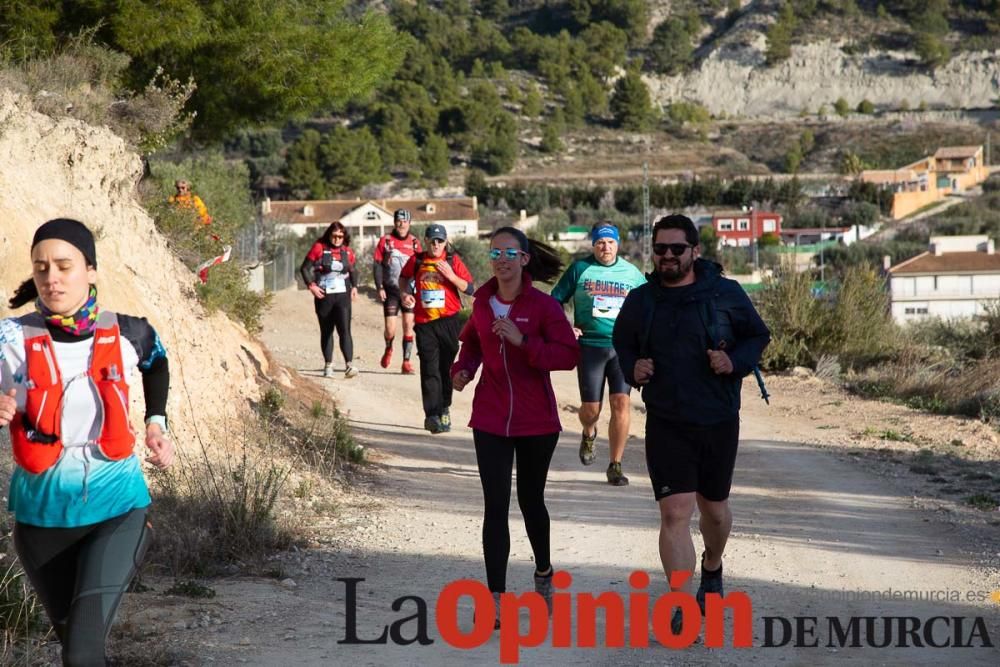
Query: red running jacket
[{"x": 514, "y": 395}]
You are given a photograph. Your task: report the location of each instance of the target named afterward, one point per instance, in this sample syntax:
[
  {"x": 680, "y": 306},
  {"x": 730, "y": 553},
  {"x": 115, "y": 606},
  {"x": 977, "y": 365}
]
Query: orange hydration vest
[{"x": 36, "y": 433}]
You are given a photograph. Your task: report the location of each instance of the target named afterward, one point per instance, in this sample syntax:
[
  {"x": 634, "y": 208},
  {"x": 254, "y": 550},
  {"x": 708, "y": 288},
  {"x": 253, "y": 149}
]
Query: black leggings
[
  {"x": 80, "y": 575},
  {"x": 437, "y": 346},
  {"x": 495, "y": 457},
  {"x": 334, "y": 312}
]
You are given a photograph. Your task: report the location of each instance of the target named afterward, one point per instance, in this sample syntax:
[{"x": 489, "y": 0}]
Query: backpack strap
[
  {"x": 648, "y": 310},
  {"x": 710, "y": 320}
]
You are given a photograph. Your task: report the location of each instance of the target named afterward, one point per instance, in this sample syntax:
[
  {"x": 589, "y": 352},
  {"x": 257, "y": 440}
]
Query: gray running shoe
[
  {"x": 543, "y": 586},
  {"x": 351, "y": 372},
  {"x": 587, "y": 455},
  {"x": 328, "y": 371}
]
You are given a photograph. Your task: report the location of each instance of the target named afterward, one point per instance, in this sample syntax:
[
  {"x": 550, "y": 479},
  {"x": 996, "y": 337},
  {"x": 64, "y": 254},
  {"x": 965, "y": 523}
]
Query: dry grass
[{"x": 83, "y": 80}]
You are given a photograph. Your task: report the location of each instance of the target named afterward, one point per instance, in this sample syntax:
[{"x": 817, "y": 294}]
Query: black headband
[{"x": 73, "y": 232}]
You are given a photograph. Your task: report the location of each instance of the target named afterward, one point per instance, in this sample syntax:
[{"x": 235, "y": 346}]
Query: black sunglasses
[{"x": 676, "y": 249}]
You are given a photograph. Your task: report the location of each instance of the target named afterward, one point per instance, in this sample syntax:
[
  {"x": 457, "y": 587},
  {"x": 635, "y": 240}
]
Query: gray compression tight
[{"x": 80, "y": 575}]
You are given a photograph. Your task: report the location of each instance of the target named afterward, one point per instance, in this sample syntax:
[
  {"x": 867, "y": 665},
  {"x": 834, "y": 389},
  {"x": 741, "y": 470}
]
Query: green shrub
[
  {"x": 852, "y": 322},
  {"x": 841, "y": 107},
  {"x": 224, "y": 188},
  {"x": 683, "y": 112},
  {"x": 866, "y": 107}
]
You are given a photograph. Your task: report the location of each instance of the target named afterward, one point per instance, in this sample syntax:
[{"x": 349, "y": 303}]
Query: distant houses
[
  {"x": 740, "y": 228},
  {"x": 956, "y": 277},
  {"x": 369, "y": 219},
  {"x": 951, "y": 169}
]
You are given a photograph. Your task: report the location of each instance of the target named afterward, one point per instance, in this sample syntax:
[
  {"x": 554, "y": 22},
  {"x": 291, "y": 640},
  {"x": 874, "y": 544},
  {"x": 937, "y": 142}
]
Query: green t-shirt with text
[{"x": 598, "y": 292}]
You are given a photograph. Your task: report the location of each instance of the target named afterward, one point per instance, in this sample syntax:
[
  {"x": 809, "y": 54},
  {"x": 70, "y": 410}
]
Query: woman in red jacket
[
  {"x": 518, "y": 334},
  {"x": 328, "y": 270}
]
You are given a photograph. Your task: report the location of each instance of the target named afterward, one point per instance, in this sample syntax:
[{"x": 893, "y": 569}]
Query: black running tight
[
  {"x": 80, "y": 575},
  {"x": 334, "y": 314},
  {"x": 495, "y": 456}
]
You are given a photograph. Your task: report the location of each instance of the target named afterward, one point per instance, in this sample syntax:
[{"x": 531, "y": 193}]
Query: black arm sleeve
[
  {"x": 155, "y": 386},
  {"x": 307, "y": 272},
  {"x": 378, "y": 275},
  {"x": 352, "y": 273},
  {"x": 153, "y": 362}
]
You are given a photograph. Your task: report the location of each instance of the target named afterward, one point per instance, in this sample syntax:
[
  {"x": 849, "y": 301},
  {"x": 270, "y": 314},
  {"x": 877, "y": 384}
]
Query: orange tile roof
[
  {"x": 949, "y": 262},
  {"x": 326, "y": 211}
]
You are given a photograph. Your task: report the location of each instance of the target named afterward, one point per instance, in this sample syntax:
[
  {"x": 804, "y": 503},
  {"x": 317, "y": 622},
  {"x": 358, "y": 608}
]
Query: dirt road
[{"x": 816, "y": 534}]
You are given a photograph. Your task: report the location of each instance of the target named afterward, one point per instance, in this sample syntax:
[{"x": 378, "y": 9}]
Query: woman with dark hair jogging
[
  {"x": 328, "y": 270},
  {"x": 438, "y": 276},
  {"x": 518, "y": 334},
  {"x": 78, "y": 494}
]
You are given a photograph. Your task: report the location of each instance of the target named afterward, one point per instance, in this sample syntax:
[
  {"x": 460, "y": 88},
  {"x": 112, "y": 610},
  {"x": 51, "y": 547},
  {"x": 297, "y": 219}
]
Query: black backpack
[{"x": 709, "y": 316}]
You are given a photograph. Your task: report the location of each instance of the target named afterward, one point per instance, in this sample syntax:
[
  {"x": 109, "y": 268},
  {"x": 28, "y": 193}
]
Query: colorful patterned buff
[{"x": 80, "y": 323}]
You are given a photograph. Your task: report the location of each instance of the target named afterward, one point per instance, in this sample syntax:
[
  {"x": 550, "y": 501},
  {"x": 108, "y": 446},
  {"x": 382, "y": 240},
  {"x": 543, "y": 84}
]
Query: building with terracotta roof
[
  {"x": 950, "y": 170},
  {"x": 369, "y": 219},
  {"x": 955, "y": 278}
]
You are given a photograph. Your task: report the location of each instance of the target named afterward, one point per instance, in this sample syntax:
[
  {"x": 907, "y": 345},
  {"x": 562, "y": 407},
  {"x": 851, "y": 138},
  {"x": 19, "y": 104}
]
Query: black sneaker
[
  {"x": 496, "y": 611},
  {"x": 433, "y": 424},
  {"x": 445, "y": 420},
  {"x": 615, "y": 475},
  {"x": 587, "y": 455},
  {"x": 711, "y": 582},
  {"x": 677, "y": 622}
]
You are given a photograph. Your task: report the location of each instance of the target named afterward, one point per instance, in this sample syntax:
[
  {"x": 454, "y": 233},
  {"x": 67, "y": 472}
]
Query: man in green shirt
[{"x": 598, "y": 286}]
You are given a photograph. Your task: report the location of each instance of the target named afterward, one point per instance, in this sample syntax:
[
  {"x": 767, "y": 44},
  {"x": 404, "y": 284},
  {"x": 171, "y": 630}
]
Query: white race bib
[
  {"x": 607, "y": 307},
  {"x": 432, "y": 298},
  {"x": 333, "y": 283}
]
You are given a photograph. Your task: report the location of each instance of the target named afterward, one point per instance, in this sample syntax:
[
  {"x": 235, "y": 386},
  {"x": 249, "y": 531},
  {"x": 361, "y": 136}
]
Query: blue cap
[
  {"x": 436, "y": 232},
  {"x": 605, "y": 232}
]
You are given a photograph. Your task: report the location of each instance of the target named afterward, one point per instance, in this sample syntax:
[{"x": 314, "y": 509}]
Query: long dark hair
[
  {"x": 26, "y": 292},
  {"x": 544, "y": 264},
  {"x": 335, "y": 226}
]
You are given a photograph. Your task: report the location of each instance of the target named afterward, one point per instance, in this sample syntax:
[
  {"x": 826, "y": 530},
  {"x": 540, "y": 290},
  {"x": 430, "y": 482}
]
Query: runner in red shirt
[
  {"x": 391, "y": 252},
  {"x": 437, "y": 276}
]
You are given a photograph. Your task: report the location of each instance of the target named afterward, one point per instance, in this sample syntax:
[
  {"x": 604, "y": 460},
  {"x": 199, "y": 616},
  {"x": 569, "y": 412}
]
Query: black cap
[
  {"x": 71, "y": 231},
  {"x": 402, "y": 214},
  {"x": 436, "y": 232}
]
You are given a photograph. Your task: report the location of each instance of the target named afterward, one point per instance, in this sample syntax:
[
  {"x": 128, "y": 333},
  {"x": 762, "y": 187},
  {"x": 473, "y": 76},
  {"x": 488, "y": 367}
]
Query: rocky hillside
[
  {"x": 730, "y": 75},
  {"x": 52, "y": 168},
  {"x": 734, "y": 81}
]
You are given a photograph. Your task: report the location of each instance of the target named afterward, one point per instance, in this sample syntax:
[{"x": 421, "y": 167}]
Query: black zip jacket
[{"x": 683, "y": 387}]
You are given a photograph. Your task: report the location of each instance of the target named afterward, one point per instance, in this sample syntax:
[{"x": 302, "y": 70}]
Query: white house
[
  {"x": 367, "y": 220},
  {"x": 955, "y": 278}
]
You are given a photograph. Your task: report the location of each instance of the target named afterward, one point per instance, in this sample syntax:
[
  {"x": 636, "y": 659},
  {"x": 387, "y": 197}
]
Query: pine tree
[
  {"x": 435, "y": 160},
  {"x": 302, "y": 166},
  {"x": 630, "y": 103}
]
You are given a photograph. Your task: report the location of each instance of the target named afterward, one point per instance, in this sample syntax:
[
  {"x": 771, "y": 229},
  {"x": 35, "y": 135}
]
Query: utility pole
[
  {"x": 647, "y": 231},
  {"x": 755, "y": 239},
  {"x": 822, "y": 266}
]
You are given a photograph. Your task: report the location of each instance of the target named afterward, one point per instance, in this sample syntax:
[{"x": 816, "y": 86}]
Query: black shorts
[
  {"x": 393, "y": 303},
  {"x": 596, "y": 365},
  {"x": 685, "y": 458}
]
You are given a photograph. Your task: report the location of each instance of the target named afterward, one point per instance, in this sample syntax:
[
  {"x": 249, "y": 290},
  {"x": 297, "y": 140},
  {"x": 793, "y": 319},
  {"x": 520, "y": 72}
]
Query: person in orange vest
[
  {"x": 77, "y": 492},
  {"x": 186, "y": 199}
]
